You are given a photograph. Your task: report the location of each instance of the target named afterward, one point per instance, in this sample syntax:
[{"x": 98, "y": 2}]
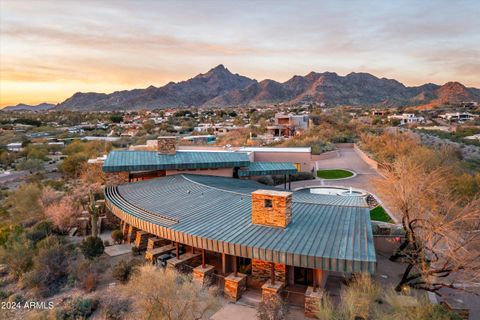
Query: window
[{"x": 268, "y": 203}]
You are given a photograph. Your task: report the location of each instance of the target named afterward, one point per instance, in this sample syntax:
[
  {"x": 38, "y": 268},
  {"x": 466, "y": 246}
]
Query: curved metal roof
[{"x": 214, "y": 213}]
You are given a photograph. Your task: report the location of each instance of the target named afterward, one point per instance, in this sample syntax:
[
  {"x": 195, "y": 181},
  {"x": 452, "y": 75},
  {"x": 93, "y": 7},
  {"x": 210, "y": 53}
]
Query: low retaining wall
[
  {"x": 325, "y": 155},
  {"x": 365, "y": 157}
]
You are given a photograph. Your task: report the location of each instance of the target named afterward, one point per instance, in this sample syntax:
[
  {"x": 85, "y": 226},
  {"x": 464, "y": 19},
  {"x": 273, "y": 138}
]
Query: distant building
[
  {"x": 407, "y": 118},
  {"x": 288, "y": 124},
  {"x": 474, "y": 137},
  {"x": 14, "y": 147},
  {"x": 457, "y": 116},
  {"x": 379, "y": 113}
]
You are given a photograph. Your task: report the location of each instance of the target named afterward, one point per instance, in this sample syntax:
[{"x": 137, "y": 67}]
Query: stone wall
[
  {"x": 141, "y": 240},
  {"x": 167, "y": 145},
  {"x": 235, "y": 286},
  {"x": 261, "y": 271},
  {"x": 280, "y": 212},
  {"x": 312, "y": 302}
]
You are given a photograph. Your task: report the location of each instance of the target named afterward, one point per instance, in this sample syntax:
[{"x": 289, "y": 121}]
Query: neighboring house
[
  {"x": 407, "y": 118},
  {"x": 458, "y": 116},
  {"x": 379, "y": 113},
  {"x": 474, "y": 137},
  {"x": 288, "y": 124},
  {"x": 14, "y": 147}
]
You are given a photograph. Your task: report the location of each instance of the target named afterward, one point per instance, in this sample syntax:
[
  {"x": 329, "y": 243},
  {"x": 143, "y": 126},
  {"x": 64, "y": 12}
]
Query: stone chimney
[
  {"x": 167, "y": 145},
  {"x": 271, "y": 208}
]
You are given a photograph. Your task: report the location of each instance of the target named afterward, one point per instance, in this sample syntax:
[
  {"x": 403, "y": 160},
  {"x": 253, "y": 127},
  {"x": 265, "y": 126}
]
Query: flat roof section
[{"x": 267, "y": 168}]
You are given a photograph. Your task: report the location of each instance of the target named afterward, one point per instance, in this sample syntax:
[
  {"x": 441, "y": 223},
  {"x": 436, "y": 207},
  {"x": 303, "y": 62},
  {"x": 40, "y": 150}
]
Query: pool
[{"x": 347, "y": 192}]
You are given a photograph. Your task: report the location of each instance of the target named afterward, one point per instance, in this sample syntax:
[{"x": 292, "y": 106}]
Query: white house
[
  {"x": 457, "y": 116},
  {"x": 14, "y": 146},
  {"x": 407, "y": 118}
]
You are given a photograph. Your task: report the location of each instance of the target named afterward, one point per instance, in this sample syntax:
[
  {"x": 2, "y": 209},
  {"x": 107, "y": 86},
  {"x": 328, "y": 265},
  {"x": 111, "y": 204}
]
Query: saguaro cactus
[{"x": 93, "y": 211}]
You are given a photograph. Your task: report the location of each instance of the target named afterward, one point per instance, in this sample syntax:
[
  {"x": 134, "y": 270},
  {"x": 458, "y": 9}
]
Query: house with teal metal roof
[
  {"x": 234, "y": 225},
  {"x": 193, "y": 217}
]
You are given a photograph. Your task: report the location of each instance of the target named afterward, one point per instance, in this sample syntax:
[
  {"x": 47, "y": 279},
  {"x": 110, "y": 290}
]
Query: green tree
[
  {"x": 92, "y": 247},
  {"x": 148, "y": 126},
  {"x": 31, "y": 165},
  {"x": 72, "y": 165}
]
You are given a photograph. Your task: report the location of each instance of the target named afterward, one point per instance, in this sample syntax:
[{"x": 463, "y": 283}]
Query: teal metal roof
[
  {"x": 214, "y": 213},
  {"x": 267, "y": 168},
  {"x": 126, "y": 160}
]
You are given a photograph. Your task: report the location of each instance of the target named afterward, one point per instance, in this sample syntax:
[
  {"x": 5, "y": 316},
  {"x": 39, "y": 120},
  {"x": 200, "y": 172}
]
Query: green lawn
[
  {"x": 379, "y": 214},
  {"x": 334, "y": 174}
]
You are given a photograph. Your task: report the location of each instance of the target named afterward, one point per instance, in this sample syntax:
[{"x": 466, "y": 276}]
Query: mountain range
[
  {"x": 221, "y": 88},
  {"x": 27, "y": 107}
]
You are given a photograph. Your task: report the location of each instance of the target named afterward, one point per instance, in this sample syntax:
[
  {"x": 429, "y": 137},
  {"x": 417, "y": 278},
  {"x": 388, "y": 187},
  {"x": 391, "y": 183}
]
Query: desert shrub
[
  {"x": 85, "y": 274},
  {"x": 167, "y": 294},
  {"x": 39, "y": 231},
  {"x": 266, "y": 180},
  {"x": 9, "y": 232},
  {"x": 18, "y": 254},
  {"x": 302, "y": 176},
  {"x": 135, "y": 251},
  {"x": 92, "y": 247},
  {"x": 80, "y": 308},
  {"x": 24, "y": 202},
  {"x": 117, "y": 236},
  {"x": 4, "y": 295},
  {"x": 365, "y": 299},
  {"x": 114, "y": 308},
  {"x": 17, "y": 298},
  {"x": 62, "y": 213},
  {"x": 274, "y": 308},
  {"x": 50, "y": 268},
  {"x": 359, "y": 299},
  {"x": 124, "y": 270}
]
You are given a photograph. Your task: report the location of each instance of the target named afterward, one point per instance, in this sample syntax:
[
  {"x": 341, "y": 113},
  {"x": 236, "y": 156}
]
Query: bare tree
[
  {"x": 442, "y": 233},
  {"x": 62, "y": 213}
]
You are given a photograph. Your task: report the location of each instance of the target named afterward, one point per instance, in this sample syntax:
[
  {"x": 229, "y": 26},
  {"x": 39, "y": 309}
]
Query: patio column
[
  {"x": 271, "y": 288},
  {"x": 224, "y": 264},
  {"x": 177, "y": 251},
  {"x": 314, "y": 294},
  {"x": 234, "y": 266},
  {"x": 285, "y": 182},
  {"x": 272, "y": 273},
  {"x": 203, "y": 258}
]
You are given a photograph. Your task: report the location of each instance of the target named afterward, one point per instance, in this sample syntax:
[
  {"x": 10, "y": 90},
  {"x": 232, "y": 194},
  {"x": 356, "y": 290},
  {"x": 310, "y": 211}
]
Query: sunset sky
[{"x": 52, "y": 49}]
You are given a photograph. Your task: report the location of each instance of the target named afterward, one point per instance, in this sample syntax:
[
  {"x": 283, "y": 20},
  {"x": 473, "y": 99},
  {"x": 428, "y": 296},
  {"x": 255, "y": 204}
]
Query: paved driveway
[{"x": 345, "y": 158}]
